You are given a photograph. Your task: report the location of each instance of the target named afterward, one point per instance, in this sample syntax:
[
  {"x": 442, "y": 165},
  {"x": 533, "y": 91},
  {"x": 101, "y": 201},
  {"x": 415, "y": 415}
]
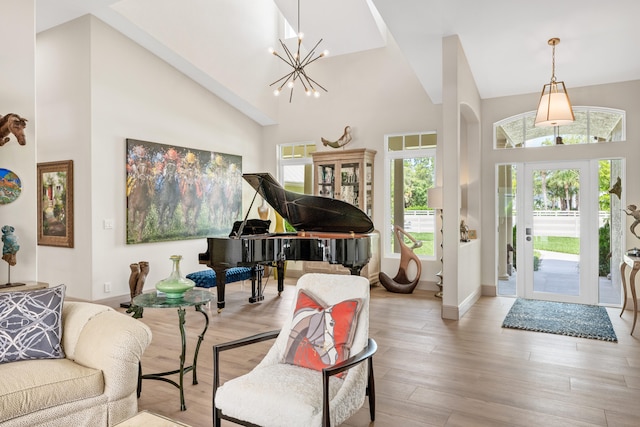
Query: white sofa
[{"x": 94, "y": 385}]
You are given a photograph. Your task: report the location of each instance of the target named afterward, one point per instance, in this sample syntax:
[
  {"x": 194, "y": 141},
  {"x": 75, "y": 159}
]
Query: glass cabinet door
[
  {"x": 368, "y": 184},
  {"x": 345, "y": 175},
  {"x": 349, "y": 183},
  {"x": 326, "y": 180}
]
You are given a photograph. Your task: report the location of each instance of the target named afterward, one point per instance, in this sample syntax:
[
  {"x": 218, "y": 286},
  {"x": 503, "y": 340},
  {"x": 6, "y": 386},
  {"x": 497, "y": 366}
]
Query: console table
[
  {"x": 192, "y": 298},
  {"x": 28, "y": 286},
  {"x": 634, "y": 263}
]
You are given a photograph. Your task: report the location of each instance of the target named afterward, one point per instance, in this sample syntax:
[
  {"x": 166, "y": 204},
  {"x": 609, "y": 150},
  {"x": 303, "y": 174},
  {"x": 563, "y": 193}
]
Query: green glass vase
[{"x": 175, "y": 285}]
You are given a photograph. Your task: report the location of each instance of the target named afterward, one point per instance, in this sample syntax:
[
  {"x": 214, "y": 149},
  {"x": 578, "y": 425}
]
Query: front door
[{"x": 557, "y": 218}]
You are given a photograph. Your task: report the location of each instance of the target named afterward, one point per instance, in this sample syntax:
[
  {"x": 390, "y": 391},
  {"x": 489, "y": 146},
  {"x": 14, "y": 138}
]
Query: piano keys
[{"x": 327, "y": 230}]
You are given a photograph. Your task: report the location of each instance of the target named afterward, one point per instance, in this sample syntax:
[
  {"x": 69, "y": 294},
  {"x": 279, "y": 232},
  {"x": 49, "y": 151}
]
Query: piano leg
[
  {"x": 256, "y": 283},
  {"x": 221, "y": 280},
  {"x": 355, "y": 271},
  {"x": 280, "y": 270}
]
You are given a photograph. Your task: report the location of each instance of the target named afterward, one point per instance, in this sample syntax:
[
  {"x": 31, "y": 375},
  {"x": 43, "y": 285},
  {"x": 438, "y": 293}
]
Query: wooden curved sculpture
[{"x": 401, "y": 283}]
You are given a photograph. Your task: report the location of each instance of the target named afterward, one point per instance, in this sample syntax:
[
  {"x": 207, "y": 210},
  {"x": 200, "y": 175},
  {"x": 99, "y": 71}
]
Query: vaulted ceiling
[{"x": 505, "y": 41}]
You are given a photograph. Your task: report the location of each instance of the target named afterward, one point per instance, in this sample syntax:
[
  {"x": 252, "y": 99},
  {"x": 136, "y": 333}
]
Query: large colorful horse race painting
[{"x": 177, "y": 193}]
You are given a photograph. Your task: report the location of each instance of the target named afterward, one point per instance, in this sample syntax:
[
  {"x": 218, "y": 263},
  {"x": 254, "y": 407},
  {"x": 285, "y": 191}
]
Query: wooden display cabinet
[{"x": 347, "y": 175}]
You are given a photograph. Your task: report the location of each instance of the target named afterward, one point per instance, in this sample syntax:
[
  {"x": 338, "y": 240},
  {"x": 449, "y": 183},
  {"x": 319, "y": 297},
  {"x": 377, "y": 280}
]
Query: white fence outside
[{"x": 545, "y": 223}]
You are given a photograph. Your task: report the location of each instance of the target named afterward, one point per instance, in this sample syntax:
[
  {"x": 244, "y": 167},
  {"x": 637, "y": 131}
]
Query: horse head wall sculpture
[{"x": 12, "y": 123}]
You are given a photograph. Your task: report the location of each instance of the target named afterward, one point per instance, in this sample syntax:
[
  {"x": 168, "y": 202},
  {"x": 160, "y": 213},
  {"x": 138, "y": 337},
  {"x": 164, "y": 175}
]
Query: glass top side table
[{"x": 192, "y": 298}]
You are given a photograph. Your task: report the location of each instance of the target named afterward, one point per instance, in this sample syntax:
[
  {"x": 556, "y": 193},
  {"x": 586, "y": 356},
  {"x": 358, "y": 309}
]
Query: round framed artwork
[{"x": 10, "y": 186}]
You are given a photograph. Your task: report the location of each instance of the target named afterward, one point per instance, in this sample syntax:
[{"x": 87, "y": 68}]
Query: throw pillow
[
  {"x": 321, "y": 336},
  {"x": 31, "y": 324}
]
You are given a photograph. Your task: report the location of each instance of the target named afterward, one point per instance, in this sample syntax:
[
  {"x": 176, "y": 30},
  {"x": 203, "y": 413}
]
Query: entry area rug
[{"x": 575, "y": 320}]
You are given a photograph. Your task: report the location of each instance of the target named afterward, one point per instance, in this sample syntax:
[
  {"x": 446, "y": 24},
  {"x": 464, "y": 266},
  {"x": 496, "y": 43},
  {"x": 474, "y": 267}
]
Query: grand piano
[{"x": 326, "y": 230}]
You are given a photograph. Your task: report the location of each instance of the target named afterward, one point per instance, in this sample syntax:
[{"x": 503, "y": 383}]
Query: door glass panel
[
  {"x": 507, "y": 242},
  {"x": 610, "y": 231},
  {"x": 556, "y": 231}
]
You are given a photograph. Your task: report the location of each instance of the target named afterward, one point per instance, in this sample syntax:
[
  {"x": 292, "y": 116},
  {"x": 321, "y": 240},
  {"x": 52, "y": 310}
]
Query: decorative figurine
[
  {"x": 9, "y": 248},
  {"x": 144, "y": 271},
  {"x": 635, "y": 213},
  {"x": 137, "y": 278},
  {"x": 617, "y": 188},
  {"x": 464, "y": 232},
  {"x": 133, "y": 279},
  {"x": 401, "y": 282},
  {"x": 12, "y": 123},
  {"x": 10, "y": 244},
  {"x": 263, "y": 210},
  {"x": 341, "y": 142}
]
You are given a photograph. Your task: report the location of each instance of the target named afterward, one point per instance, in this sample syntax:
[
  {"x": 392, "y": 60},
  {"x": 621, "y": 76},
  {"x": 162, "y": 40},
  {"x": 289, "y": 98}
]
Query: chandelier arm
[
  {"x": 314, "y": 60},
  {"x": 289, "y": 55},
  {"x": 296, "y": 75},
  {"x": 299, "y": 44},
  {"x": 306, "y": 61},
  {"x": 308, "y": 83},
  {"x": 302, "y": 81},
  {"x": 285, "y": 78},
  {"x": 311, "y": 80},
  {"x": 284, "y": 60}
]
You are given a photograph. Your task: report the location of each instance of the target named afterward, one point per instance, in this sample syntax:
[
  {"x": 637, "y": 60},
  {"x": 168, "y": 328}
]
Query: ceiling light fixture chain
[
  {"x": 298, "y": 67},
  {"x": 553, "y": 42}
]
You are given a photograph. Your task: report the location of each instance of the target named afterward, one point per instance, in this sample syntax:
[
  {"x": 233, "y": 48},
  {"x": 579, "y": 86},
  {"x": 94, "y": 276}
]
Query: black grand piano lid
[{"x": 310, "y": 213}]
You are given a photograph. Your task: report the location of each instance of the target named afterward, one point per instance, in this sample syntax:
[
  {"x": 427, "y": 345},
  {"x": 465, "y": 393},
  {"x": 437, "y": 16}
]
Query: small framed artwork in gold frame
[
  {"x": 473, "y": 234},
  {"x": 55, "y": 204}
]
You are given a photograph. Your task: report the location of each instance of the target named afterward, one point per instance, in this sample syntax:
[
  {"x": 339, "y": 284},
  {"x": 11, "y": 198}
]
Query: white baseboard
[
  {"x": 450, "y": 312},
  {"x": 453, "y": 312},
  {"x": 489, "y": 290}
]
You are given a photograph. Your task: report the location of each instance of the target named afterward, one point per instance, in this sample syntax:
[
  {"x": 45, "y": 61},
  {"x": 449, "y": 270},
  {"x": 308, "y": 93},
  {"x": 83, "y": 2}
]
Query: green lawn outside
[
  {"x": 567, "y": 245},
  {"x": 427, "y": 243}
]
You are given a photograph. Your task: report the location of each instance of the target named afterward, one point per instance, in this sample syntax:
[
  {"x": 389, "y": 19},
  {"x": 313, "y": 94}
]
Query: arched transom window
[{"x": 593, "y": 125}]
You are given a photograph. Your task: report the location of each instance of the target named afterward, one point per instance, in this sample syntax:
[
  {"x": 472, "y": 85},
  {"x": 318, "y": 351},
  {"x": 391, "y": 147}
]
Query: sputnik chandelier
[{"x": 298, "y": 64}]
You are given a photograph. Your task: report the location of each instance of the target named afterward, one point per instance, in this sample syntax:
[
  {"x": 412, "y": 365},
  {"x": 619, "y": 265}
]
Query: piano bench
[{"x": 207, "y": 278}]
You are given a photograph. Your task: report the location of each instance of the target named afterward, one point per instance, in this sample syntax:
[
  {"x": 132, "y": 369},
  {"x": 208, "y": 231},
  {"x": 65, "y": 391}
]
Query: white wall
[
  {"x": 236, "y": 36},
  {"x": 64, "y": 133},
  {"x": 624, "y": 96},
  {"x": 17, "y": 95},
  {"x": 461, "y": 137},
  {"x": 131, "y": 94}
]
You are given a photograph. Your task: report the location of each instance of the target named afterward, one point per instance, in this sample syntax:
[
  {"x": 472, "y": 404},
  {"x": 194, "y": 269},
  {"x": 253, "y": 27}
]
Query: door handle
[{"x": 527, "y": 231}]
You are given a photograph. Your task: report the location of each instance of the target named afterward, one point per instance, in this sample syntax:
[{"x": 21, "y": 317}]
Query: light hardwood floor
[{"x": 429, "y": 371}]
